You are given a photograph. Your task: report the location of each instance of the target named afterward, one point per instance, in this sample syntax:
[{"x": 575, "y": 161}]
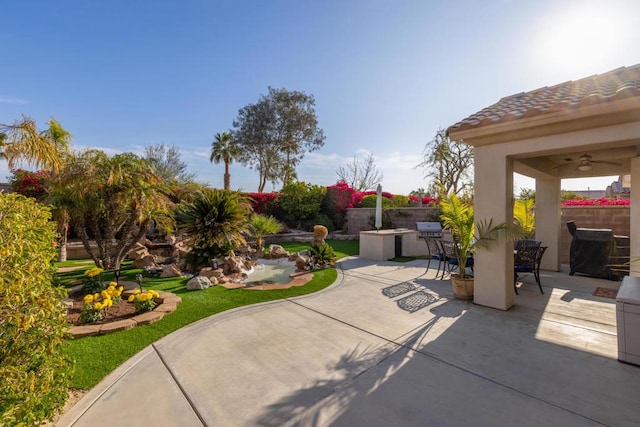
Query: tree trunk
[{"x": 227, "y": 176}]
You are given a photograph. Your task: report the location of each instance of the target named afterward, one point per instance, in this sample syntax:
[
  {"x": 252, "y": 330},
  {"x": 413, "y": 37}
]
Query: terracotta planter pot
[{"x": 462, "y": 288}]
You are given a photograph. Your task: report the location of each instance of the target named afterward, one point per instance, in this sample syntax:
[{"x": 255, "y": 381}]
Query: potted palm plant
[{"x": 457, "y": 217}]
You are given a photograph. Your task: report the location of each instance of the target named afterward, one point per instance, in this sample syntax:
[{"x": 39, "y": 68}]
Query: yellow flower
[
  {"x": 120, "y": 288},
  {"x": 109, "y": 303},
  {"x": 114, "y": 284},
  {"x": 136, "y": 292},
  {"x": 96, "y": 296},
  {"x": 104, "y": 294},
  {"x": 98, "y": 306},
  {"x": 131, "y": 298},
  {"x": 88, "y": 299}
]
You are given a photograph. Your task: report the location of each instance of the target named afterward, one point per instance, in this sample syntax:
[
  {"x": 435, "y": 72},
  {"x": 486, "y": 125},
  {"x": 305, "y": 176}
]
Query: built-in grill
[{"x": 429, "y": 229}]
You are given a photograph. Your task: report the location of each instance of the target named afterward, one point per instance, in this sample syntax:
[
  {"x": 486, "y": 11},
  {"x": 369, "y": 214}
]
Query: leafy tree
[
  {"x": 33, "y": 366},
  {"x": 112, "y": 200},
  {"x": 224, "y": 149},
  {"x": 168, "y": 164},
  {"x": 22, "y": 141},
  {"x": 274, "y": 134},
  {"x": 300, "y": 202},
  {"x": 215, "y": 221},
  {"x": 361, "y": 175},
  {"x": 449, "y": 163}
]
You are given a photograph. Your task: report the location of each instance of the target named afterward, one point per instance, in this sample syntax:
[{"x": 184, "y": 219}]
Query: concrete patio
[{"x": 385, "y": 345}]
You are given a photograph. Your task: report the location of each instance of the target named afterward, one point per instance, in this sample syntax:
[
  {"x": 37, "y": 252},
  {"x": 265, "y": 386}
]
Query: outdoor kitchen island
[{"x": 383, "y": 245}]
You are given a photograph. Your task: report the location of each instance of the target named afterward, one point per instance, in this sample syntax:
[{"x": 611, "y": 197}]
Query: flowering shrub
[
  {"x": 426, "y": 201},
  {"x": 96, "y": 304},
  {"x": 93, "y": 282},
  {"x": 597, "y": 202},
  {"x": 337, "y": 199},
  {"x": 143, "y": 301},
  {"x": 264, "y": 203},
  {"x": 30, "y": 184}
]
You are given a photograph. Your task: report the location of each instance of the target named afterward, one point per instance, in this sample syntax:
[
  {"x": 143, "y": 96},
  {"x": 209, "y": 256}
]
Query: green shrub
[
  {"x": 216, "y": 221},
  {"x": 33, "y": 368},
  {"x": 300, "y": 201},
  {"x": 323, "y": 255},
  {"x": 369, "y": 201}
]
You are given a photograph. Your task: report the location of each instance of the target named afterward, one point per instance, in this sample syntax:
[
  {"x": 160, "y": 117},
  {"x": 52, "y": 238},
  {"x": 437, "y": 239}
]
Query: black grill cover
[{"x": 594, "y": 251}]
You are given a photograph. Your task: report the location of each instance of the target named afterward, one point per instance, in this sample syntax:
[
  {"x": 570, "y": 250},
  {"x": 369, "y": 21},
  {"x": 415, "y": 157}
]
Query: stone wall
[
  {"x": 362, "y": 219},
  {"x": 614, "y": 217}
]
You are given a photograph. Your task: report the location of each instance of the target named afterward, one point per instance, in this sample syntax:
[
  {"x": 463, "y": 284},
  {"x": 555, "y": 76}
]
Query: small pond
[{"x": 270, "y": 271}]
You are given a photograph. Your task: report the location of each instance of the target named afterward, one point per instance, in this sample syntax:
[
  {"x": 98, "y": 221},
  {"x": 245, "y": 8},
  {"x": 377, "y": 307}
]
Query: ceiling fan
[{"x": 585, "y": 163}]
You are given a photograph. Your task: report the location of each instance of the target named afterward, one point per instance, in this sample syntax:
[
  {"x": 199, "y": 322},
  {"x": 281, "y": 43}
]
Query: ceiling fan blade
[
  {"x": 566, "y": 164},
  {"x": 607, "y": 162}
]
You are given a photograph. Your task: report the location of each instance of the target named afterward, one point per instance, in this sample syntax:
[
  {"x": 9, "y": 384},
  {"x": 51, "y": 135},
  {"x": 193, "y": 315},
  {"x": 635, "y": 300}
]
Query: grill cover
[{"x": 594, "y": 251}]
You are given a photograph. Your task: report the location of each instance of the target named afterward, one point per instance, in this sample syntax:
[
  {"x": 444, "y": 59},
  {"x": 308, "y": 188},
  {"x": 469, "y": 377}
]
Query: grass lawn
[{"x": 97, "y": 356}]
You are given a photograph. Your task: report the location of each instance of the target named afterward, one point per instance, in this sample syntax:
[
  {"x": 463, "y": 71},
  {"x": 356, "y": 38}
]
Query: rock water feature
[
  {"x": 166, "y": 258},
  {"x": 278, "y": 267}
]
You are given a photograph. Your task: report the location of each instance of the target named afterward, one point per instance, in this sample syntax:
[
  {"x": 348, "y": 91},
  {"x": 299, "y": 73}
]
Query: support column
[
  {"x": 493, "y": 199},
  {"x": 549, "y": 221},
  {"x": 634, "y": 216}
]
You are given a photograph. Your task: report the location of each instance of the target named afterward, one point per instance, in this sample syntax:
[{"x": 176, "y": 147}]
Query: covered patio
[{"x": 584, "y": 128}]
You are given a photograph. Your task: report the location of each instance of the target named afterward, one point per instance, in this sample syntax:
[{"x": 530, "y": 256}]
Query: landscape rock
[
  {"x": 146, "y": 261},
  {"x": 302, "y": 262},
  {"x": 198, "y": 283},
  {"x": 211, "y": 274},
  {"x": 277, "y": 251},
  {"x": 171, "y": 271}
]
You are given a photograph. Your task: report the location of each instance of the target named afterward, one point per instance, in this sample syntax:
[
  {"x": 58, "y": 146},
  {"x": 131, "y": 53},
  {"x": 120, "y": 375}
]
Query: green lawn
[{"x": 97, "y": 356}]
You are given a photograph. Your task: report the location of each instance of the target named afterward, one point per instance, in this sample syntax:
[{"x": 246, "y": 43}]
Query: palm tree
[
  {"x": 216, "y": 221},
  {"x": 110, "y": 200},
  {"x": 21, "y": 141},
  {"x": 224, "y": 149},
  {"x": 261, "y": 225}
]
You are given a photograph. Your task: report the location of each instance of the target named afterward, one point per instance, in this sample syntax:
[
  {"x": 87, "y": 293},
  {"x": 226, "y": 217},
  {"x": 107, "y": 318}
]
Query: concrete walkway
[{"x": 385, "y": 345}]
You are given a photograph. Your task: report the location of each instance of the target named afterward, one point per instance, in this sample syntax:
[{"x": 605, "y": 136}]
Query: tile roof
[{"x": 613, "y": 85}]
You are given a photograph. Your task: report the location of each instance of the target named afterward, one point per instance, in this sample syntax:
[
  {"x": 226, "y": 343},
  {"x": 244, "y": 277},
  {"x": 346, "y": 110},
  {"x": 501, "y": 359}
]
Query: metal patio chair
[{"x": 527, "y": 260}]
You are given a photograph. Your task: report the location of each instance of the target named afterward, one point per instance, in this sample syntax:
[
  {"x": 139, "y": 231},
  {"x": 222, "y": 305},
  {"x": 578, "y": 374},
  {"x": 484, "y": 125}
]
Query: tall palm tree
[
  {"x": 21, "y": 141},
  {"x": 224, "y": 149}
]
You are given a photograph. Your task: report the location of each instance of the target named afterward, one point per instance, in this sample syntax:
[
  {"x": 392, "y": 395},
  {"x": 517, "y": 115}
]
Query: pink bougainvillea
[
  {"x": 426, "y": 201},
  {"x": 264, "y": 203},
  {"x": 597, "y": 202}
]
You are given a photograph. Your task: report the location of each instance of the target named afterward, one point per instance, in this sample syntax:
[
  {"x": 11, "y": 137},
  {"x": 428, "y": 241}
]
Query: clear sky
[{"x": 386, "y": 75}]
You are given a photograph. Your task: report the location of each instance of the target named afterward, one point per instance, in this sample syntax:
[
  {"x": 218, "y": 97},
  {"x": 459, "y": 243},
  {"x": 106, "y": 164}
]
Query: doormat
[
  {"x": 605, "y": 293},
  {"x": 416, "y": 301},
  {"x": 399, "y": 289}
]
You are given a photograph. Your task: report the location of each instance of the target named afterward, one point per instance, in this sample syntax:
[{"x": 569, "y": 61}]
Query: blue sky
[{"x": 386, "y": 75}]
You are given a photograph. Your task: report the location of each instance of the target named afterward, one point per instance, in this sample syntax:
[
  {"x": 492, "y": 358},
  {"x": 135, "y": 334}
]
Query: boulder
[
  {"x": 235, "y": 265},
  {"x": 211, "y": 273},
  {"x": 145, "y": 261},
  {"x": 198, "y": 283},
  {"x": 302, "y": 262},
  {"x": 277, "y": 251},
  {"x": 171, "y": 270}
]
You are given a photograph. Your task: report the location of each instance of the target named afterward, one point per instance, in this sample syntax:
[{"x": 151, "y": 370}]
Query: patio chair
[
  {"x": 434, "y": 252},
  {"x": 450, "y": 251},
  {"x": 527, "y": 260},
  {"x": 526, "y": 242}
]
